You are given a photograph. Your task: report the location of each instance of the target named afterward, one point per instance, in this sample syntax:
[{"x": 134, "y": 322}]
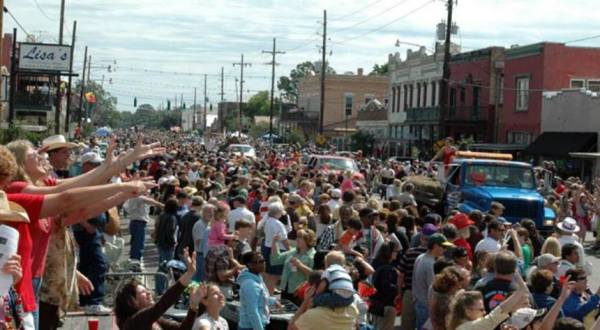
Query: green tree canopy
[
  {"x": 379, "y": 70},
  {"x": 258, "y": 105},
  {"x": 288, "y": 86}
]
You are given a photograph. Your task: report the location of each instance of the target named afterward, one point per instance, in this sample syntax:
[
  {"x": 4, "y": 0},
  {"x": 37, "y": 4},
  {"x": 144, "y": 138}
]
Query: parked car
[
  {"x": 336, "y": 164},
  {"x": 242, "y": 150}
]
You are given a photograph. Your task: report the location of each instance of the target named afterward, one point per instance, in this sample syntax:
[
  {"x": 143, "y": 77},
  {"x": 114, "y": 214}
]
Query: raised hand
[
  {"x": 143, "y": 151},
  {"x": 198, "y": 293}
]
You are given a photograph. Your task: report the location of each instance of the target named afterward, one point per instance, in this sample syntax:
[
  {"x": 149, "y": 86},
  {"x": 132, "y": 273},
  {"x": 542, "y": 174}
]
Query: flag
[{"x": 90, "y": 97}]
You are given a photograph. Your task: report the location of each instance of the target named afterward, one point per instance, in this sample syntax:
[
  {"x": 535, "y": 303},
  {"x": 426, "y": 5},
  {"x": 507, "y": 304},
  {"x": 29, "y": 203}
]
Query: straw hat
[
  {"x": 10, "y": 211},
  {"x": 57, "y": 142},
  {"x": 569, "y": 225}
]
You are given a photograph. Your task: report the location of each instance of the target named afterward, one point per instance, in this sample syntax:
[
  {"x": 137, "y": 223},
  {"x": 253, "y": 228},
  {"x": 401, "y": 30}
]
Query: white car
[{"x": 242, "y": 150}]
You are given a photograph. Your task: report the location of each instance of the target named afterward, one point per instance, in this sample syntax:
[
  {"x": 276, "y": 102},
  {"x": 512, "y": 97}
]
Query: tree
[
  {"x": 379, "y": 70},
  {"x": 288, "y": 86},
  {"x": 258, "y": 105},
  {"x": 104, "y": 111},
  {"x": 363, "y": 141}
]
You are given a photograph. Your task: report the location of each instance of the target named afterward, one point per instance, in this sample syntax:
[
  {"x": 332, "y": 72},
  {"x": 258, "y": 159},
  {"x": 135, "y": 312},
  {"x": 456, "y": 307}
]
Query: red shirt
[
  {"x": 40, "y": 233},
  {"x": 33, "y": 205}
]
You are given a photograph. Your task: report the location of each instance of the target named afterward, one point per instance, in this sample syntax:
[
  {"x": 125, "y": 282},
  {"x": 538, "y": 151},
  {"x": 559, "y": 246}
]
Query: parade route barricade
[{"x": 114, "y": 281}]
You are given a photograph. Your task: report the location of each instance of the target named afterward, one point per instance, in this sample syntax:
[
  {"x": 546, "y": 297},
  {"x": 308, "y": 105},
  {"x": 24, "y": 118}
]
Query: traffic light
[
  {"x": 184, "y": 105},
  {"x": 135, "y": 101},
  {"x": 168, "y": 104}
]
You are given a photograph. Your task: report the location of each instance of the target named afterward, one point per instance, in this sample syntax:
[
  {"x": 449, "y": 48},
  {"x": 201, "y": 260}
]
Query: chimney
[{"x": 360, "y": 71}]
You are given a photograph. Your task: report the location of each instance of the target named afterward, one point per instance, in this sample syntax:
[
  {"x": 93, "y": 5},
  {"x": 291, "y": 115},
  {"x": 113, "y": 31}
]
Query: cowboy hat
[
  {"x": 57, "y": 142},
  {"x": 10, "y": 211}
]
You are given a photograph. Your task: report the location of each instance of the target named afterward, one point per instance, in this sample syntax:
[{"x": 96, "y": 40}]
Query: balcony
[
  {"x": 428, "y": 114},
  {"x": 468, "y": 114}
]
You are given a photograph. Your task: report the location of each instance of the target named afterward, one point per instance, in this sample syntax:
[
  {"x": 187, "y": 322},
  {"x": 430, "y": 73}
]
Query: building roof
[{"x": 560, "y": 144}]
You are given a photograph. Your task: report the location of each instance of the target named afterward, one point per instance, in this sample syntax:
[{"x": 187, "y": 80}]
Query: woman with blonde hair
[
  {"x": 467, "y": 311},
  {"x": 551, "y": 245}
]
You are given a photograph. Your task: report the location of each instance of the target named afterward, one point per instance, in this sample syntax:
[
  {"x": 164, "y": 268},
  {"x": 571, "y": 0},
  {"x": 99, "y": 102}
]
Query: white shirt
[
  {"x": 198, "y": 234},
  {"x": 333, "y": 205},
  {"x": 488, "y": 244},
  {"x": 193, "y": 176},
  {"x": 206, "y": 320},
  {"x": 388, "y": 173},
  {"x": 274, "y": 227},
  {"x": 237, "y": 214}
]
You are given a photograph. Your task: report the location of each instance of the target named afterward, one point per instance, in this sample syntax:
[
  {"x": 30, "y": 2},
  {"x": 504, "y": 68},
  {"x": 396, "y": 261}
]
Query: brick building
[
  {"x": 529, "y": 71},
  {"x": 344, "y": 95},
  {"x": 472, "y": 94}
]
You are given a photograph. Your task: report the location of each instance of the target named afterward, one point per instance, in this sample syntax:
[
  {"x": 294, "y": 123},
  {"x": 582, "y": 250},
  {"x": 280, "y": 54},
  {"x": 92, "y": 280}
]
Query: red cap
[{"x": 461, "y": 220}]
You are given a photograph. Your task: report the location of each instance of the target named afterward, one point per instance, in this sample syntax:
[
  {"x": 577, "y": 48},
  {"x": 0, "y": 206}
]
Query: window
[
  {"x": 594, "y": 85},
  {"x": 348, "y": 100},
  {"x": 577, "y": 83},
  {"x": 410, "y": 100},
  {"x": 501, "y": 96},
  {"x": 463, "y": 93},
  {"x": 418, "y": 95},
  {"x": 452, "y": 101},
  {"x": 424, "y": 94},
  {"x": 476, "y": 100},
  {"x": 523, "y": 138},
  {"x": 522, "y": 93},
  {"x": 433, "y": 91},
  {"x": 405, "y": 97},
  {"x": 394, "y": 90}
]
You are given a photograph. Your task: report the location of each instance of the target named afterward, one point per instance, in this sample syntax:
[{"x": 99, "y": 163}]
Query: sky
[{"x": 163, "y": 48}]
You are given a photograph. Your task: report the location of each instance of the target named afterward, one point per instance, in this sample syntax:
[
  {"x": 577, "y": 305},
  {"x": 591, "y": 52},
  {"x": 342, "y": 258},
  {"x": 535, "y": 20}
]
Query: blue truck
[{"x": 473, "y": 184}]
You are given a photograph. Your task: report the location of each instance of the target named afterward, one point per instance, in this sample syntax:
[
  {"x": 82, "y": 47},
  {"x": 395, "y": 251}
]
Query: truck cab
[{"x": 473, "y": 184}]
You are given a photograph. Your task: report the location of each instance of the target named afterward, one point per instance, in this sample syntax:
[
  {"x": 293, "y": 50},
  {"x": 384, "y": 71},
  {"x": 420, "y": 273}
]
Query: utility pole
[
  {"x": 194, "y": 114},
  {"x": 89, "y": 68},
  {"x": 1, "y": 34},
  {"x": 13, "y": 79},
  {"x": 444, "y": 102},
  {"x": 68, "y": 114},
  {"x": 323, "y": 70},
  {"x": 80, "y": 114},
  {"x": 242, "y": 65},
  {"x": 273, "y": 52},
  {"x": 62, "y": 22},
  {"x": 222, "y": 80},
  {"x": 204, "y": 125}
]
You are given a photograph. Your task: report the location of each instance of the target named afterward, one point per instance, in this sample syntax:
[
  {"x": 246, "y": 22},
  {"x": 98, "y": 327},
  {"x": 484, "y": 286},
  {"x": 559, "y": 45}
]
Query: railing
[
  {"x": 467, "y": 113},
  {"x": 423, "y": 114},
  {"x": 33, "y": 101}
]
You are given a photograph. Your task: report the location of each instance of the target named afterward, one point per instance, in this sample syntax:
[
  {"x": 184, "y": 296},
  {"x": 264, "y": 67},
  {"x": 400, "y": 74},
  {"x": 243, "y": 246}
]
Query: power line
[
  {"x": 356, "y": 11},
  {"x": 582, "y": 39},
  {"x": 371, "y": 17},
  {"x": 15, "y": 19},
  {"x": 43, "y": 12},
  {"x": 179, "y": 73},
  {"x": 387, "y": 24}
]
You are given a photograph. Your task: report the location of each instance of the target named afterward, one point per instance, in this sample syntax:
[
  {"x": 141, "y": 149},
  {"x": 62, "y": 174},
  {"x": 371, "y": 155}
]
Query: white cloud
[{"x": 202, "y": 36}]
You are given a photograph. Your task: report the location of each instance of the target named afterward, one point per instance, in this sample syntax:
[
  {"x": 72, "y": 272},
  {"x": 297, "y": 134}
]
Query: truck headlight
[{"x": 548, "y": 222}]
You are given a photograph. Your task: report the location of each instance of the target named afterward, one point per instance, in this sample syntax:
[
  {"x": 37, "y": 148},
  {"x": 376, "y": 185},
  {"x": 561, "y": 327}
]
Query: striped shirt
[{"x": 407, "y": 264}]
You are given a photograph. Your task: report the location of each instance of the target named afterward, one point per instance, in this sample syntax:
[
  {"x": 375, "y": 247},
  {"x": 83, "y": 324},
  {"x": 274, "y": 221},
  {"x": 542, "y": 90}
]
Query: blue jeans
[
  {"x": 164, "y": 255},
  {"x": 92, "y": 264},
  {"x": 332, "y": 300},
  {"x": 137, "y": 228},
  {"x": 422, "y": 314},
  {"x": 199, "y": 276},
  {"x": 37, "y": 284}
]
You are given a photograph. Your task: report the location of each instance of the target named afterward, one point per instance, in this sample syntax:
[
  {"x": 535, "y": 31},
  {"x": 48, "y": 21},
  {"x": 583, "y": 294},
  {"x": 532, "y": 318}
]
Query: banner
[{"x": 44, "y": 57}]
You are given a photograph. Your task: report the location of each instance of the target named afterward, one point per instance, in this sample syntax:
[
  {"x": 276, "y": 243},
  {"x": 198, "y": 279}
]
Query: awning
[{"x": 560, "y": 144}]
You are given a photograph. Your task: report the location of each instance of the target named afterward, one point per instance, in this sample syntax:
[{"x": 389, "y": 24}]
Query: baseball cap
[
  {"x": 461, "y": 220},
  {"x": 429, "y": 229},
  {"x": 504, "y": 221},
  {"x": 524, "y": 316},
  {"x": 239, "y": 198},
  {"x": 91, "y": 157},
  {"x": 546, "y": 259},
  {"x": 438, "y": 239}
]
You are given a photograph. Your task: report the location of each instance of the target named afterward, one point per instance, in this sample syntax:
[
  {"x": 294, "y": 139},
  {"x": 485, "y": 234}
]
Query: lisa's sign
[{"x": 44, "y": 57}]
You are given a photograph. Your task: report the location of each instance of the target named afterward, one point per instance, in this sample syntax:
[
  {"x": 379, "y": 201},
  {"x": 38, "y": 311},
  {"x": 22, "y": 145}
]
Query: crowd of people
[{"x": 350, "y": 250}]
